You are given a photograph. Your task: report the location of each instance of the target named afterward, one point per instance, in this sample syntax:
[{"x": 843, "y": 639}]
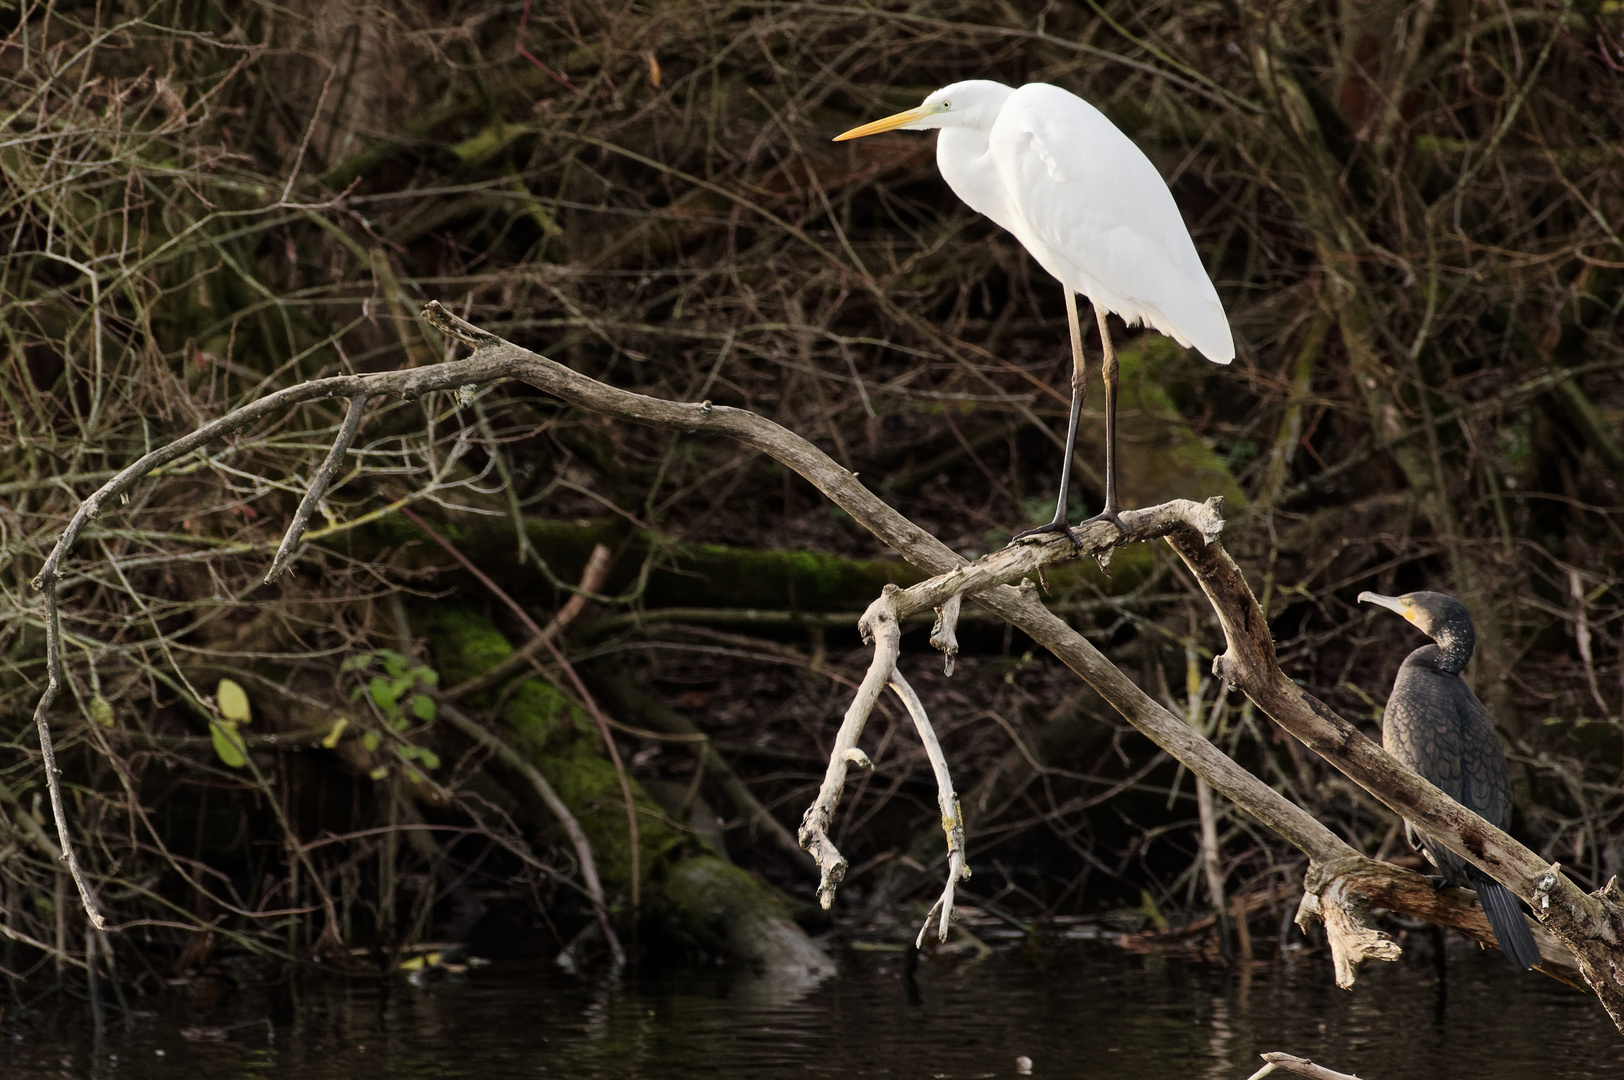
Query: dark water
[{"x": 1078, "y": 1012}]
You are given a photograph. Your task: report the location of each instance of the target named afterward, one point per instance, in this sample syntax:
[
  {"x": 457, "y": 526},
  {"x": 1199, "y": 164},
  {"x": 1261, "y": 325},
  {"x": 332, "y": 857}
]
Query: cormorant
[{"x": 1436, "y": 726}]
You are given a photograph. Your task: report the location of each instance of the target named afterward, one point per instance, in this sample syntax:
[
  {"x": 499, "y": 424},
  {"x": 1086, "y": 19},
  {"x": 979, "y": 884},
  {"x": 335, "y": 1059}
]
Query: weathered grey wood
[
  {"x": 1579, "y": 921},
  {"x": 1591, "y": 925}
]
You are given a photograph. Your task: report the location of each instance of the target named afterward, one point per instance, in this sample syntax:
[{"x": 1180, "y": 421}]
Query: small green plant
[
  {"x": 399, "y": 693},
  {"x": 231, "y": 702}
]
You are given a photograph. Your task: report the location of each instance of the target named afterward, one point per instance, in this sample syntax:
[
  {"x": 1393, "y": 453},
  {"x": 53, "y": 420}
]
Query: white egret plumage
[{"x": 1091, "y": 209}]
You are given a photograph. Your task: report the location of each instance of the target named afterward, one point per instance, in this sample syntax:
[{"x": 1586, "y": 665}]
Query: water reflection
[{"x": 1078, "y": 1012}]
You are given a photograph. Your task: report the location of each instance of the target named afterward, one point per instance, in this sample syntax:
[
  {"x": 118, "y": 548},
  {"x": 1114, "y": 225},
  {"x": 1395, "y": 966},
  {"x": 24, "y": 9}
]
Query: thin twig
[
  {"x": 572, "y": 827},
  {"x": 53, "y": 780},
  {"x": 310, "y": 129},
  {"x": 592, "y": 579},
  {"x": 518, "y": 47},
  {"x": 575, "y": 679},
  {"x": 879, "y": 626},
  {"x": 946, "y": 801},
  {"x": 318, "y": 488}
]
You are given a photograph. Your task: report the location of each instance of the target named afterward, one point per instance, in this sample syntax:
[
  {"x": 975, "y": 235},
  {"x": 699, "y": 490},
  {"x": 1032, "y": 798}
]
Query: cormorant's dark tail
[{"x": 1506, "y": 916}]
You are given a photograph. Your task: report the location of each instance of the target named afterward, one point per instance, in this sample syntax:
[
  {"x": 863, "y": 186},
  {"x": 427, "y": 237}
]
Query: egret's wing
[{"x": 1097, "y": 215}]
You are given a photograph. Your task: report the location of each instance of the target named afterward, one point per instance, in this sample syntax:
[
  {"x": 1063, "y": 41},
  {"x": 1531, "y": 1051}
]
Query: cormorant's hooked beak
[
  {"x": 1400, "y": 604},
  {"x": 890, "y": 123}
]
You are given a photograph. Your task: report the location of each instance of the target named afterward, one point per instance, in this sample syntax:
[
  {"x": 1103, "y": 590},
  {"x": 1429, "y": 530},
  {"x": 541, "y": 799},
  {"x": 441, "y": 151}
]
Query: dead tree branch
[
  {"x": 1299, "y": 1065},
  {"x": 1592, "y": 925},
  {"x": 318, "y": 488},
  {"x": 1589, "y": 924},
  {"x": 957, "y": 578},
  {"x": 42, "y": 723},
  {"x": 878, "y": 627},
  {"x": 946, "y": 801}
]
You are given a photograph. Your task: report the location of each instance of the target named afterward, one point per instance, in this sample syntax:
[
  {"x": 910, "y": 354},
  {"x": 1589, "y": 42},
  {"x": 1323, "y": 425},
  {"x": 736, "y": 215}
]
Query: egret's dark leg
[
  {"x": 1109, "y": 369},
  {"x": 1079, "y": 370}
]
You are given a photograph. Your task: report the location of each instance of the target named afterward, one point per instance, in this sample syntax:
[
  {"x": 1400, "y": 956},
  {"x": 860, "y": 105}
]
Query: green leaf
[
  {"x": 233, "y": 702},
  {"x": 101, "y": 711},
  {"x": 423, "y": 708},
  {"x": 357, "y": 692},
  {"x": 405, "y": 753},
  {"x": 330, "y": 740},
  {"x": 427, "y": 676},
  {"x": 428, "y": 757},
  {"x": 228, "y": 744},
  {"x": 393, "y": 662},
  {"x": 398, "y": 723},
  {"x": 383, "y": 692},
  {"x": 379, "y": 773},
  {"x": 356, "y": 663},
  {"x": 370, "y": 740}
]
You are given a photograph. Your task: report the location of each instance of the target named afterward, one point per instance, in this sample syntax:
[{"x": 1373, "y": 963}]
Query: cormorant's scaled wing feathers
[
  {"x": 1485, "y": 786},
  {"x": 1422, "y": 727},
  {"x": 1098, "y": 216},
  {"x": 1436, "y": 726}
]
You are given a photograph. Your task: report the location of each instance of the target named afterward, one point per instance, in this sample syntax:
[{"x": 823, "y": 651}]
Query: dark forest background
[{"x": 1412, "y": 213}]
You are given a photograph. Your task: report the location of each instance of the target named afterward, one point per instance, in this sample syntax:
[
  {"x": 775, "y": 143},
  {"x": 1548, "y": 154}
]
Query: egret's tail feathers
[
  {"x": 1203, "y": 326},
  {"x": 1506, "y": 916},
  {"x": 1212, "y": 335}
]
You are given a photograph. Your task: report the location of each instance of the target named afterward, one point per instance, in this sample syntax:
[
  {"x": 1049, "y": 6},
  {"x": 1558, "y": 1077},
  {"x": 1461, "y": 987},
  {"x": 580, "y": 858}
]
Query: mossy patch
[
  {"x": 707, "y": 898},
  {"x": 587, "y": 783},
  {"x": 564, "y": 743},
  {"x": 465, "y": 644},
  {"x": 1160, "y": 456}
]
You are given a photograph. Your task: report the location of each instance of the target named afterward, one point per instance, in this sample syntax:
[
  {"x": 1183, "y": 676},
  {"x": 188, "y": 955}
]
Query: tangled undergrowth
[{"x": 1411, "y": 212}]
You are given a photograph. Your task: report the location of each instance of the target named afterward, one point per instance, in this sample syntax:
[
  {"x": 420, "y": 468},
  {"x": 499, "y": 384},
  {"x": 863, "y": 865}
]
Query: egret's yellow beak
[
  {"x": 1403, "y": 605},
  {"x": 888, "y": 124}
]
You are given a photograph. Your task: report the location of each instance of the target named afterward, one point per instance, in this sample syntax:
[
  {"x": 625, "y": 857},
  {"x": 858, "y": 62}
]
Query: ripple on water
[{"x": 1078, "y": 1012}]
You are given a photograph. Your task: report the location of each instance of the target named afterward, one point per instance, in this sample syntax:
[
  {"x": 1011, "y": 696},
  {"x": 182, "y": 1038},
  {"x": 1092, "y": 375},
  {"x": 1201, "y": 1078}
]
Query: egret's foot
[
  {"x": 1058, "y": 525},
  {"x": 1108, "y": 514}
]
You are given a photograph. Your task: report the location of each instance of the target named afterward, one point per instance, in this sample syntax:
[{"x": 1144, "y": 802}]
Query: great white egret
[{"x": 1092, "y": 210}]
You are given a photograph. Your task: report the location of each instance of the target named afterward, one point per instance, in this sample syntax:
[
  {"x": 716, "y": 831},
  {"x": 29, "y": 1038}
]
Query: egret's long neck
[{"x": 961, "y": 155}]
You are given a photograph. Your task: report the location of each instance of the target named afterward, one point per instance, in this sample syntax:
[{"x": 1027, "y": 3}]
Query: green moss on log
[
  {"x": 537, "y": 716},
  {"x": 1161, "y": 456},
  {"x": 712, "y": 908},
  {"x": 564, "y": 744}
]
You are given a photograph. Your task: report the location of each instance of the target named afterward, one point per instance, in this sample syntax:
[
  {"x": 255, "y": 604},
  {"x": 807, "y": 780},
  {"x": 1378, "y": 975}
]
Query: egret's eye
[{"x": 946, "y": 105}]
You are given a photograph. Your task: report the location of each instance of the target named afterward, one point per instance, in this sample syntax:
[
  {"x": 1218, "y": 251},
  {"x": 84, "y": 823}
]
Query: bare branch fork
[
  {"x": 881, "y": 627},
  {"x": 358, "y": 388},
  {"x": 1591, "y": 925},
  {"x": 318, "y": 487}
]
